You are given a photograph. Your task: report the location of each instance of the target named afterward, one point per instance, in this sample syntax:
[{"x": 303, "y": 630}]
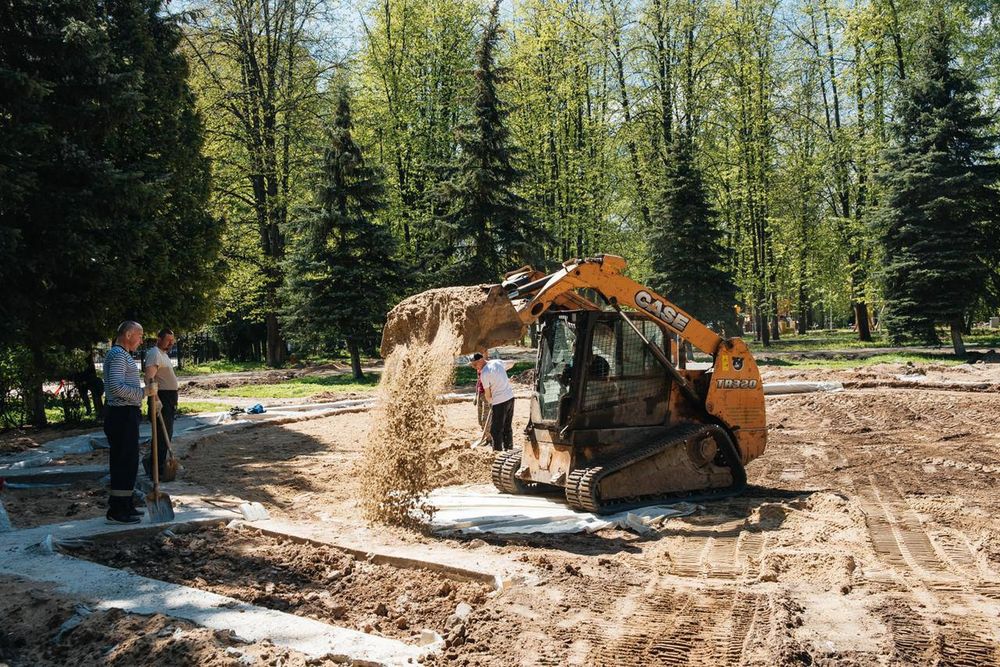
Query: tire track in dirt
[
  {"x": 911, "y": 637},
  {"x": 707, "y": 624},
  {"x": 698, "y": 613},
  {"x": 940, "y": 570}
]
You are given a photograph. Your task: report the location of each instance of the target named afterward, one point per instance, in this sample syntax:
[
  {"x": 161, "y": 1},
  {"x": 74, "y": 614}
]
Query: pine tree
[
  {"x": 103, "y": 187},
  {"x": 688, "y": 258},
  {"x": 340, "y": 270},
  {"x": 486, "y": 222},
  {"x": 942, "y": 199}
]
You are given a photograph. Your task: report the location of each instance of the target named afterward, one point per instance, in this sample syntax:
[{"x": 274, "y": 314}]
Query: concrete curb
[
  {"x": 28, "y": 553},
  {"x": 403, "y": 558}
]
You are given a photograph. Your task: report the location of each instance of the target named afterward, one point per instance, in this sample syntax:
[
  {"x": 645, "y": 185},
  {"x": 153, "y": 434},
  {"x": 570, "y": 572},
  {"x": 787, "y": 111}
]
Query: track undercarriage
[{"x": 690, "y": 462}]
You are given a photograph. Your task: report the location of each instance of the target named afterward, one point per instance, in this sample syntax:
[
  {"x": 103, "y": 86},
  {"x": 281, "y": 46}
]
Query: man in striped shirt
[{"x": 123, "y": 398}]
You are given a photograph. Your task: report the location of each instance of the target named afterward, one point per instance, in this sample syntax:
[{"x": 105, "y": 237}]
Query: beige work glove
[{"x": 152, "y": 388}]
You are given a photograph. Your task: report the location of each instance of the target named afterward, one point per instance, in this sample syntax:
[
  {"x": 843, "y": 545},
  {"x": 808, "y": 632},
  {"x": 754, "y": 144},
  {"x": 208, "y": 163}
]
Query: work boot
[
  {"x": 136, "y": 504},
  {"x": 120, "y": 512}
]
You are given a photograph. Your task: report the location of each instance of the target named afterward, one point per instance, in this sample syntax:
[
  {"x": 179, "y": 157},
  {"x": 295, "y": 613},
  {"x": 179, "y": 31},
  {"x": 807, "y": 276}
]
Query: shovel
[
  {"x": 486, "y": 429},
  {"x": 158, "y": 504},
  {"x": 170, "y": 474}
]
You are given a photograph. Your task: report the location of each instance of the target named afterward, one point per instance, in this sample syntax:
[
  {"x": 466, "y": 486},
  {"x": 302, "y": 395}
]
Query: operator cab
[{"x": 622, "y": 384}]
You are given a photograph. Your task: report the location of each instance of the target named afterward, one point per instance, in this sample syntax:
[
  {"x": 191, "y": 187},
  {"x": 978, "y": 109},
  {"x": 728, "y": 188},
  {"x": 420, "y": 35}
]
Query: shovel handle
[
  {"x": 166, "y": 437},
  {"x": 156, "y": 458}
]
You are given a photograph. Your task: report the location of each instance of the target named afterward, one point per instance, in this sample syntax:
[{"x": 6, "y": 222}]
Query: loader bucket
[{"x": 481, "y": 315}]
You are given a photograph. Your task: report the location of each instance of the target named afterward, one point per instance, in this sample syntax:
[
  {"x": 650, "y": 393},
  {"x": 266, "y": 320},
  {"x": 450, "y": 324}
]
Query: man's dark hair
[
  {"x": 477, "y": 356},
  {"x": 165, "y": 332}
]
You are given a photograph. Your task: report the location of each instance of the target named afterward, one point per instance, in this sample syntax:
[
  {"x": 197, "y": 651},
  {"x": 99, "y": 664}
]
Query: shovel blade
[{"x": 159, "y": 507}]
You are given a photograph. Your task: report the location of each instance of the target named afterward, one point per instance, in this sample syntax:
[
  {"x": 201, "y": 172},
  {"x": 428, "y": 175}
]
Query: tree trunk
[
  {"x": 763, "y": 329},
  {"x": 352, "y": 346},
  {"x": 861, "y": 318},
  {"x": 803, "y": 323},
  {"x": 277, "y": 352},
  {"x": 956, "y": 337},
  {"x": 775, "y": 317},
  {"x": 35, "y": 400}
]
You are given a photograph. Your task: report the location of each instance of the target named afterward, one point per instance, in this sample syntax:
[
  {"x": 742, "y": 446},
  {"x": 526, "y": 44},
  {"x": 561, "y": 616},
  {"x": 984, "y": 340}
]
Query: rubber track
[
  {"x": 505, "y": 466},
  {"x": 582, "y": 483}
]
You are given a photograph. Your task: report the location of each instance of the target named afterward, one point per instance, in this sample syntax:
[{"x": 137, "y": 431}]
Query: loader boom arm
[{"x": 533, "y": 295}]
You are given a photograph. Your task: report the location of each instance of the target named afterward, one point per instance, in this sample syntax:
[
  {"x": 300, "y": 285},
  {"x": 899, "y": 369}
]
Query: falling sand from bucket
[{"x": 422, "y": 336}]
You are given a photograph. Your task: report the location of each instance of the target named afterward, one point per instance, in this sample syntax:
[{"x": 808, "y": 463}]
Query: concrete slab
[
  {"x": 54, "y": 474},
  {"x": 25, "y": 553}
]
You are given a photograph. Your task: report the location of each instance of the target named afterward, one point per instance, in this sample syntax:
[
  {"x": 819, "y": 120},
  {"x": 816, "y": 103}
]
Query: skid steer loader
[{"x": 617, "y": 420}]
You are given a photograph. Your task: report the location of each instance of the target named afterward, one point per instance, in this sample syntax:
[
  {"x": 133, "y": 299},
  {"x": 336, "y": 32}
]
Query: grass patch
[
  {"x": 466, "y": 375},
  {"x": 845, "y": 339},
  {"x": 310, "y": 385},
  {"x": 303, "y": 387},
  {"x": 194, "y": 407},
  {"x": 900, "y": 358},
  {"x": 56, "y": 418},
  {"x": 220, "y": 366}
]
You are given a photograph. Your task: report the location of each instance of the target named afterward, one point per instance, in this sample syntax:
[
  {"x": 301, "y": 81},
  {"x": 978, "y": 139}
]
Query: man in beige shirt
[{"x": 160, "y": 370}]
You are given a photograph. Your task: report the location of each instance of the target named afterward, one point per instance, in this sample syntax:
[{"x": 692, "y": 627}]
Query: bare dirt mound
[{"x": 482, "y": 314}]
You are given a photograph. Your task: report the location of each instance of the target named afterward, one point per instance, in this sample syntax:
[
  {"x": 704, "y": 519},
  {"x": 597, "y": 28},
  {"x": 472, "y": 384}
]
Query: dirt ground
[
  {"x": 870, "y": 535},
  {"x": 33, "y": 633},
  {"x": 319, "y": 582}
]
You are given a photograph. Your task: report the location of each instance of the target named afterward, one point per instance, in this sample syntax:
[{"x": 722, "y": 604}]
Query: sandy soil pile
[{"x": 482, "y": 315}]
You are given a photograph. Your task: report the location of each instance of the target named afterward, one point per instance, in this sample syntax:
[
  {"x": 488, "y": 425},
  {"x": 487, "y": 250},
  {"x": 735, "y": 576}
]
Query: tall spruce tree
[
  {"x": 340, "y": 270},
  {"x": 103, "y": 187},
  {"x": 942, "y": 203},
  {"x": 487, "y": 226},
  {"x": 689, "y": 261}
]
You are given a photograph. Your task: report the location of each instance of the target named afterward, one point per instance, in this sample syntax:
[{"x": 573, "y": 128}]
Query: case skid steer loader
[{"x": 617, "y": 421}]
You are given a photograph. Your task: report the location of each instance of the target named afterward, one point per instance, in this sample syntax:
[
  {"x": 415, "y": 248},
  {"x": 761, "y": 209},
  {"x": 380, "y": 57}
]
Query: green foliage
[
  {"x": 942, "y": 209},
  {"x": 340, "y": 268},
  {"x": 690, "y": 264},
  {"x": 220, "y": 366},
  {"x": 303, "y": 387},
  {"x": 905, "y": 358},
  {"x": 465, "y": 376},
  {"x": 261, "y": 87},
  {"x": 412, "y": 92},
  {"x": 196, "y": 407},
  {"x": 487, "y": 229},
  {"x": 104, "y": 188}
]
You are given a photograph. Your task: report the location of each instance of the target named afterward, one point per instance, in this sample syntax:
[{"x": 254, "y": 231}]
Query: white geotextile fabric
[
  {"x": 482, "y": 509},
  {"x": 778, "y": 388}
]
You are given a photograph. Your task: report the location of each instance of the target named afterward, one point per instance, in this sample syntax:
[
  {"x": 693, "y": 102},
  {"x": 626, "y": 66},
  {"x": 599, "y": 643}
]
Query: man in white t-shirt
[
  {"x": 160, "y": 369},
  {"x": 500, "y": 396}
]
